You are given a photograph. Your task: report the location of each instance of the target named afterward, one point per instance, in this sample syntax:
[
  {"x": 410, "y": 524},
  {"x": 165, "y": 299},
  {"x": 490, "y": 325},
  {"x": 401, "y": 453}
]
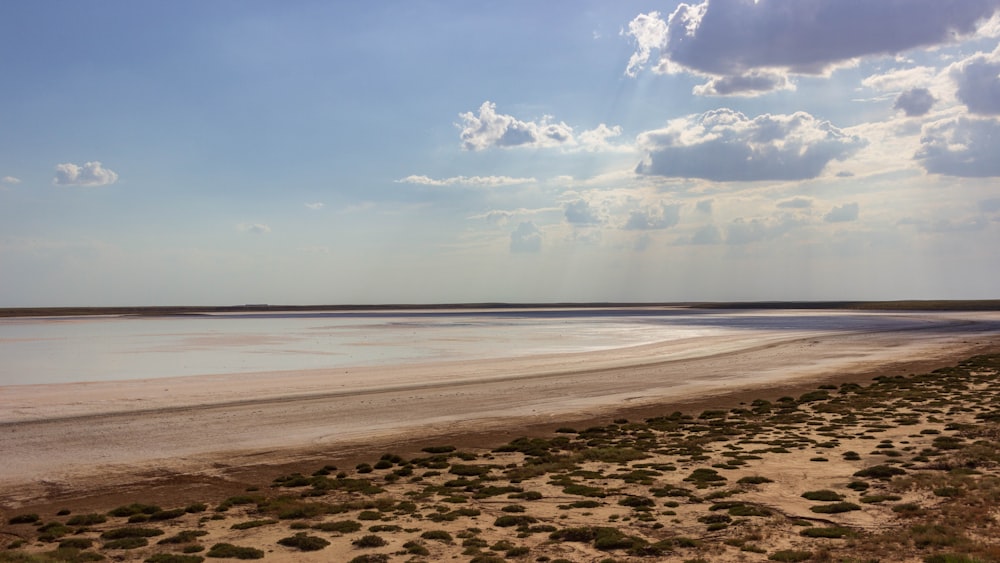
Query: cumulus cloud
[
  {"x": 737, "y": 38},
  {"x": 255, "y": 228},
  {"x": 315, "y": 206},
  {"x": 900, "y": 79},
  {"x": 580, "y": 212},
  {"x": 490, "y": 129},
  {"x": 10, "y": 180},
  {"x": 661, "y": 216},
  {"x": 964, "y": 146},
  {"x": 88, "y": 174},
  {"x": 843, "y": 213},
  {"x": 526, "y": 238},
  {"x": 978, "y": 81},
  {"x": 479, "y": 181},
  {"x": 796, "y": 203},
  {"x": 915, "y": 102},
  {"x": 725, "y": 145}
]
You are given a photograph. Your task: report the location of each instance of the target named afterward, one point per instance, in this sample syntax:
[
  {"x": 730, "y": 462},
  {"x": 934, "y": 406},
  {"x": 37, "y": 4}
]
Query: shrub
[
  {"x": 76, "y": 543},
  {"x": 131, "y": 532},
  {"x": 87, "y": 519},
  {"x": 24, "y": 519},
  {"x": 185, "y": 536},
  {"x": 133, "y": 509},
  {"x": 832, "y": 532},
  {"x": 230, "y": 551},
  {"x": 342, "y": 526},
  {"x": 252, "y": 524},
  {"x": 439, "y": 449},
  {"x": 511, "y": 520},
  {"x": 824, "y": 495},
  {"x": 369, "y": 540},
  {"x": 883, "y": 472},
  {"x": 754, "y": 480},
  {"x": 790, "y": 555},
  {"x": 835, "y": 508},
  {"x": 126, "y": 543},
  {"x": 174, "y": 558},
  {"x": 304, "y": 542},
  {"x": 437, "y": 535}
]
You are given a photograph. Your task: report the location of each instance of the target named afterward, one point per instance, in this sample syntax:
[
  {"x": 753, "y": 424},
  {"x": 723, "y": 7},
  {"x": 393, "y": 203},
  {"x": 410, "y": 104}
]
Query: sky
[{"x": 317, "y": 152}]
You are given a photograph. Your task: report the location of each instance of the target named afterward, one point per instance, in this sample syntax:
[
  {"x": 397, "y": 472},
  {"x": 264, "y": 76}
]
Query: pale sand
[{"x": 75, "y": 436}]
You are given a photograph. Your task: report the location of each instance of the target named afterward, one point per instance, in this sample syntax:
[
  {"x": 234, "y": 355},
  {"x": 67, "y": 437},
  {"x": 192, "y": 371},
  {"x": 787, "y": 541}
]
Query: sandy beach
[{"x": 62, "y": 438}]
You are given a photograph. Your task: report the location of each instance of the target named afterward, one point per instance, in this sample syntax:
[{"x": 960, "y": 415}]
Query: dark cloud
[
  {"x": 743, "y": 84},
  {"x": 978, "y": 80},
  {"x": 843, "y": 213},
  {"x": 725, "y": 145},
  {"x": 734, "y": 36},
  {"x": 580, "y": 212},
  {"x": 965, "y": 146},
  {"x": 657, "y": 217},
  {"x": 915, "y": 102},
  {"x": 526, "y": 238},
  {"x": 737, "y": 38}
]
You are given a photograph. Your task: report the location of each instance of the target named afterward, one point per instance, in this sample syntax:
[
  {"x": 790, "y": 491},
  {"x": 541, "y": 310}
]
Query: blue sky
[{"x": 349, "y": 152}]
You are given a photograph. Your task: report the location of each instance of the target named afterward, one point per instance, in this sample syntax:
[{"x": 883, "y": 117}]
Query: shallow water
[{"x": 77, "y": 349}]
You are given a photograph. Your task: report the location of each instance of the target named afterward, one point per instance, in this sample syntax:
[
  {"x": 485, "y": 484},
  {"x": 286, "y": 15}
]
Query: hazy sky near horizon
[{"x": 314, "y": 152}]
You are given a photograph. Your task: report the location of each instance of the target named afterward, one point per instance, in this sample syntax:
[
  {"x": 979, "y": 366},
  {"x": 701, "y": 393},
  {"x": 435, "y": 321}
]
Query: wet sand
[{"x": 85, "y": 436}]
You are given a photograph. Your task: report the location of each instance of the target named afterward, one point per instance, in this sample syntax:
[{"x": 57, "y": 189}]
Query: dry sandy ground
[{"x": 58, "y": 439}]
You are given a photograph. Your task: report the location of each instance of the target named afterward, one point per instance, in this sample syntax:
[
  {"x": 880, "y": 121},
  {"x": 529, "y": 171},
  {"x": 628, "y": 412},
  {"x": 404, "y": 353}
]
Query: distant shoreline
[{"x": 170, "y": 310}]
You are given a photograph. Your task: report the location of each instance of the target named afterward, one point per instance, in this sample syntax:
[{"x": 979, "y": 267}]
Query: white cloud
[
  {"x": 735, "y": 39},
  {"x": 10, "y": 180},
  {"x": 490, "y": 129},
  {"x": 88, "y": 174},
  {"x": 255, "y": 228},
  {"x": 725, "y": 145},
  {"x": 315, "y": 206},
  {"x": 964, "y": 146},
  {"x": 915, "y": 102},
  {"x": 898, "y": 80},
  {"x": 978, "y": 81},
  {"x": 579, "y": 212},
  {"x": 483, "y": 181},
  {"x": 660, "y": 216},
  {"x": 526, "y": 238},
  {"x": 843, "y": 213}
]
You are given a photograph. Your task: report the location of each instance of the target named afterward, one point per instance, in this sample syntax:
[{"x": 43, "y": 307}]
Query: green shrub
[
  {"x": 76, "y": 543},
  {"x": 835, "y": 508},
  {"x": 87, "y": 519},
  {"x": 342, "y": 526},
  {"x": 437, "y": 535},
  {"x": 369, "y": 540},
  {"x": 824, "y": 495},
  {"x": 252, "y": 524},
  {"x": 883, "y": 472},
  {"x": 834, "y": 532},
  {"x": 754, "y": 480},
  {"x": 24, "y": 519},
  {"x": 790, "y": 555},
  {"x": 131, "y": 532},
  {"x": 174, "y": 558},
  {"x": 126, "y": 543},
  {"x": 304, "y": 542},
  {"x": 133, "y": 509},
  {"x": 230, "y": 551},
  {"x": 511, "y": 520}
]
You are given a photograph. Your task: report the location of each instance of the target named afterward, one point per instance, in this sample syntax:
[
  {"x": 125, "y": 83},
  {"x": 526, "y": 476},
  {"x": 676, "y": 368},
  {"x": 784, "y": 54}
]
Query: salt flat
[{"x": 75, "y": 435}]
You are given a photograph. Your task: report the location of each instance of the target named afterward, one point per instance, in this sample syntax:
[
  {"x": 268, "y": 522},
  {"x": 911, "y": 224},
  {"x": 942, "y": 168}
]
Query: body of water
[{"x": 75, "y": 349}]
